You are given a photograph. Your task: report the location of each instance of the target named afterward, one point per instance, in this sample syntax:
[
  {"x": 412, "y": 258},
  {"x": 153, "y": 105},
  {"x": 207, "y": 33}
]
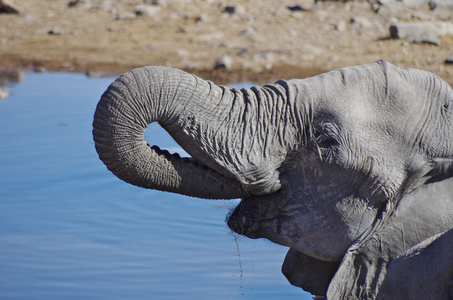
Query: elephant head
[{"x": 340, "y": 167}]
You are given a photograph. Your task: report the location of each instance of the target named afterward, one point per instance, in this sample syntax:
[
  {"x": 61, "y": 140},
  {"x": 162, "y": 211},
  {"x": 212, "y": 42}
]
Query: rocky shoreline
[{"x": 241, "y": 40}]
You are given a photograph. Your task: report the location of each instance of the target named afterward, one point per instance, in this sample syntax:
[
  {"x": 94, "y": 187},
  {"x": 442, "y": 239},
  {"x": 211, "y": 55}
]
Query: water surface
[{"x": 69, "y": 229}]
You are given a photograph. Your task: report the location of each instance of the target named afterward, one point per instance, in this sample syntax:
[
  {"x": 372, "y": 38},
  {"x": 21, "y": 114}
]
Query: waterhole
[{"x": 69, "y": 229}]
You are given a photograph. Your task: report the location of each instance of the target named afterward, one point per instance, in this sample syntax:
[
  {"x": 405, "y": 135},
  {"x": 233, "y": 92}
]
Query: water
[{"x": 69, "y": 229}]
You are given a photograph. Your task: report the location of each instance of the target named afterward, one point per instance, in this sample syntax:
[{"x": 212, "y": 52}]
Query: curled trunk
[
  {"x": 240, "y": 137},
  {"x": 127, "y": 107}
]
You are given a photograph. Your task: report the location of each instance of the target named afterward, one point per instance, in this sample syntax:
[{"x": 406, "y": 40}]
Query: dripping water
[{"x": 239, "y": 259}]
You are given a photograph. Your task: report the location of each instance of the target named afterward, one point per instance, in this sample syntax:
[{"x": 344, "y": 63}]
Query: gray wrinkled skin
[
  {"x": 422, "y": 272},
  {"x": 351, "y": 169}
]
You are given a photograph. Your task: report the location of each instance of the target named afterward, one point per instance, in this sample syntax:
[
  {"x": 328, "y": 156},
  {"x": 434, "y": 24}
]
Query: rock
[
  {"x": 302, "y": 5},
  {"x": 422, "y": 16},
  {"x": 126, "y": 16},
  {"x": 94, "y": 74},
  {"x": 182, "y": 52},
  {"x": 107, "y": 6},
  {"x": 240, "y": 10},
  {"x": 292, "y": 32},
  {"x": 234, "y": 10},
  {"x": 147, "y": 10},
  {"x": 425, "y": 32},
  {"x": 224, "y": 62},
  {"x": 362, "y": 22},
  {"x": 414, "y": 3},
  {"x": 364, "y": 25},
  {"x": 444, "y": 28},
  {"x": 391, "y": 10},
  {"x": 3, "y": 93},
  {"x": 203, "y": 18},
  {"x": 406, "y": 3},
  {"x": 385, "y": 2},
  {"x": 247, "y": 31},
  {"x": 427, "y": 38},
  {"x": 412, "y": 33},
  {"x": 243, "y": 52},
  {"x": 441, "y": 5},
  {"x": 210, "y": 37},
  {"x": 153, "y": 2},
  {"x": 74, "y": 3},
  {"x": 54, "y": 31},
  {"x": 295, "y": 8},
  {"x": 340, "y": 26},
  {"x": 7, "y": 8},
  {"x": 229, "y": 9}
]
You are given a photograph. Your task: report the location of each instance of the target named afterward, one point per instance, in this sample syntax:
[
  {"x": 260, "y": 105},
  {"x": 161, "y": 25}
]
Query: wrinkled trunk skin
[
  {"x": 221, "y": 128},
  {"x": 133, "y": 101}
]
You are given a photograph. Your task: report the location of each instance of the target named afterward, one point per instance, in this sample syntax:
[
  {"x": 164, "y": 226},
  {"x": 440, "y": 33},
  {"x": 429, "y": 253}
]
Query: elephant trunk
[{"x": 128, "y": 106}]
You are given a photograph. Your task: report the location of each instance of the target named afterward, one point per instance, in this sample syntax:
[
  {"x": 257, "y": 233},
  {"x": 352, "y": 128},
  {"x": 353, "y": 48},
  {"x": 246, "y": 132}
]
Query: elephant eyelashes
[{"x": 323, "y": 140}]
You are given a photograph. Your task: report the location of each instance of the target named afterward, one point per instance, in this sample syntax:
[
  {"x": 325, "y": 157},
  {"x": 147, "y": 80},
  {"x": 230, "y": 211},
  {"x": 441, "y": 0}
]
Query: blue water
[{"x": 69, "y": 229}]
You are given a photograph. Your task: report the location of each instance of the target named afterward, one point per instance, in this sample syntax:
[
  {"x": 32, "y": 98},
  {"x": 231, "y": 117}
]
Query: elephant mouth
[{"x": 245, "y": 220}]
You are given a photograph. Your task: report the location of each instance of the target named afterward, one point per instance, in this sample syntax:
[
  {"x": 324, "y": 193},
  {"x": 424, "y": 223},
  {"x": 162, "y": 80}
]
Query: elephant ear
[
  {"x": 366, "y": 260},
  {"x": 361, "y": 272},
  {"x": 437, "y": 169},
  {"x": 310, "y": 274},
  {"x": 441, "y": 169},
  {"x": 431, "y": 171}
]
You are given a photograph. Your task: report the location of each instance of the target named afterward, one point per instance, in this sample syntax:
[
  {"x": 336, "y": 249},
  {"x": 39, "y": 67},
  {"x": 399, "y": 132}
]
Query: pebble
[
  {"x": 427, "y": 38},
  {"x": 126, "y": 16},
  {"x": 302, "y": 5},
  {"x": 182, "y": 52},
  {"x": 153, "y": 2},
  {"x": 340, "y": 26},
  {"x": 363, "y": 22},
  {"x": 94, "y": 74},
  {"x": 224, "y": 62},
  {"x": 147, "y": 10},
  {"x": 54, "y": 31},
  {"x": 247, "y": 31},
  {"x": 229, "y": 9},
  {"x": 203, "y": 18},
  {"x": 74, "y": 3}
]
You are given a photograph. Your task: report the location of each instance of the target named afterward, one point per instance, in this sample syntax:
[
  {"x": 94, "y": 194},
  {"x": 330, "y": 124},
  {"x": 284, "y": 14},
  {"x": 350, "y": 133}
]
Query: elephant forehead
[{"x": 348, "y": 107}]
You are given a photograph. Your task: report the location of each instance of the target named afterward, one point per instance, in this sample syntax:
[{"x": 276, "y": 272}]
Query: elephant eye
[{"x": 324, "y": 140}]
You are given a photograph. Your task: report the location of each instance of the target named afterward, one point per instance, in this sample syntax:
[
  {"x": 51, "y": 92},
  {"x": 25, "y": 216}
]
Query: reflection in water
[{"x": 69, "y": 229}]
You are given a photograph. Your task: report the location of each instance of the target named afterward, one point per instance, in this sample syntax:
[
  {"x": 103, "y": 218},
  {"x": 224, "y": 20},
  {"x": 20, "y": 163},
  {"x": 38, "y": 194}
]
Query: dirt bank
[{"x": 238, "y": 40}]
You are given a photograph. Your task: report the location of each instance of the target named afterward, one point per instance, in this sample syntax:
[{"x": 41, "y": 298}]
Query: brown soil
[{"x": 262, "y": 41}]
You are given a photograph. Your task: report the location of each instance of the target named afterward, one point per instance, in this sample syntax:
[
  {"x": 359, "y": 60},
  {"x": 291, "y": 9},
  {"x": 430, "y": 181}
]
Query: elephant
[{"x": 351, "y": 169}]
